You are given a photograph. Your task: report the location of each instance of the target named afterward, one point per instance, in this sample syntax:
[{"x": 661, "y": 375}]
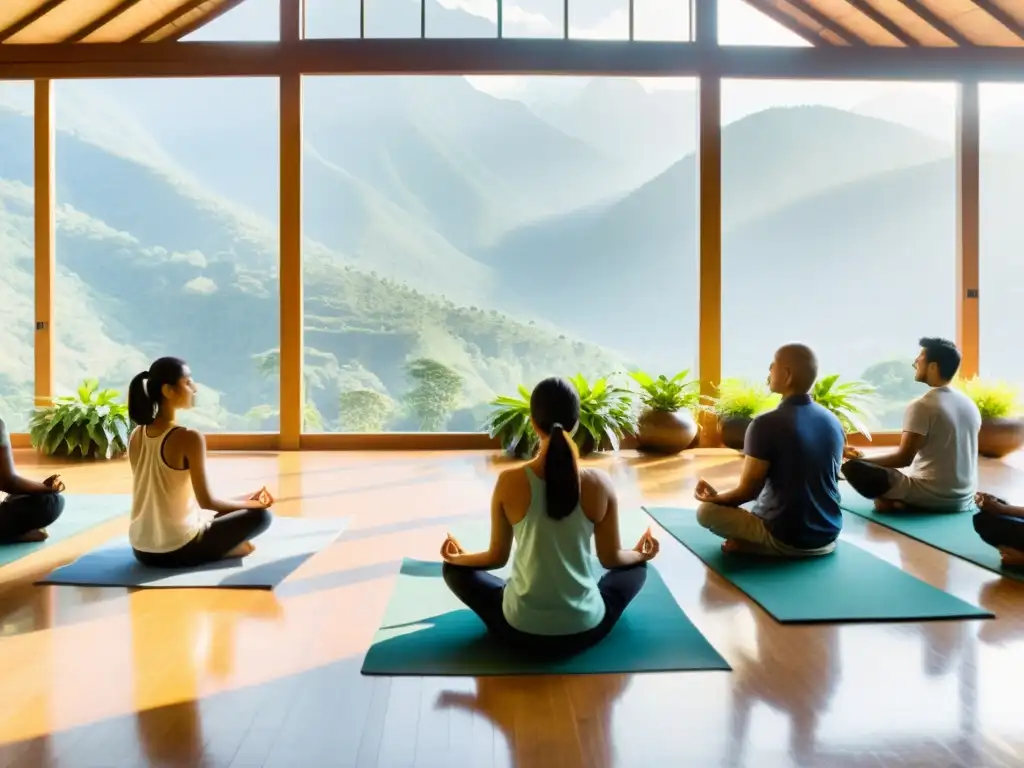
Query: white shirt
[
  {"x": 165, "y": 515},
  {"x": 947, "y": 465}
]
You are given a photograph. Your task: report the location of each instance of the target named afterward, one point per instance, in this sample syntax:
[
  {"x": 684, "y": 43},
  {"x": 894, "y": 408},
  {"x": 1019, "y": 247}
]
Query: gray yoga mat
[{"x": 286, "y": 545}]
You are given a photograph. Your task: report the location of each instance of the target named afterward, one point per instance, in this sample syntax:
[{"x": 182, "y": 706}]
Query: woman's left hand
[
  {"x": 54, "y": 483},
  {"x": 451, "y": 549}
]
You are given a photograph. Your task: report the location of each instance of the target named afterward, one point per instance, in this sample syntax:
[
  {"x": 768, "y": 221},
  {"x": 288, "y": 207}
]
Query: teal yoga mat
[
  {"x": 427, "y": 632},
  {"x": 849, "y": 585},
  {"x": 286, "y": 545},
  {"x": 952, "y": 532},
  {"x": 81, "y": 512}
]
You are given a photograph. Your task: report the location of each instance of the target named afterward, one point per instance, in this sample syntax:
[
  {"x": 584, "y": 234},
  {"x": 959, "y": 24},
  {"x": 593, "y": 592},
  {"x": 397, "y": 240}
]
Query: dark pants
[
  {"x": 1000, "y": 530},
  {"x": 28, "y": 512},
  {"x": 482, "y": 592},
  {"x": 869, "y": 481},
  {"x": 224, "y": 534}
]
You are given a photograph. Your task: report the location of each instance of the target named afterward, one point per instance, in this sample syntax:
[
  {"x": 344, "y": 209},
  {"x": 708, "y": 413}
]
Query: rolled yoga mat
[
  {"x": 952, "y": 532},
  {"x": 286, "y": 545},
  {"x": 81, "y": 512},
  {"x": 848, "y": 585},
  {"x": 428, "y": 632}
]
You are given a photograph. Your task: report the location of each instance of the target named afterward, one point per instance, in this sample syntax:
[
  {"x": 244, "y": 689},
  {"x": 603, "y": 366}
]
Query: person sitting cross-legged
[
  {"x": 935, "y": 468},
  {"x": 1001, "y": 524},
  {"x": 790, "y": 471}
]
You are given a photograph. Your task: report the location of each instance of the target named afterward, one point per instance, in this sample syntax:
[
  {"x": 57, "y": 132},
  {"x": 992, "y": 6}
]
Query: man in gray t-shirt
[{"x": 936, "y": 464}]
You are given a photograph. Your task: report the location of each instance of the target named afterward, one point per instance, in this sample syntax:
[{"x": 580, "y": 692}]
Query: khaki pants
[{"x": 740, "y": 525}]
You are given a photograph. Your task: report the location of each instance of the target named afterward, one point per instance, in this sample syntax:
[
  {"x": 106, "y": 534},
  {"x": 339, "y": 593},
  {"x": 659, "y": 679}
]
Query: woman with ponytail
[
  {"x": 176, "y": 520},
  {"x": 553, "y": 602}
]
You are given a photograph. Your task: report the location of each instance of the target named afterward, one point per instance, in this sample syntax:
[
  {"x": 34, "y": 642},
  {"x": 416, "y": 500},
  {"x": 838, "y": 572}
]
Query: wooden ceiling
[
  {"x": 886, "y": 23},
  {"x": 901, "y": 23},
  {"x": 105, "y": 21}
]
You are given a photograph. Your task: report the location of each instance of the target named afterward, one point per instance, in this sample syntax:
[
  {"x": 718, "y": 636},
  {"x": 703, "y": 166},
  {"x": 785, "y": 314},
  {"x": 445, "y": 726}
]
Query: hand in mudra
[
  {"x": 263, "y": 497},
  {"x": 54, "y": 483},
  {"x": 704, "y": 491},
  {"x": 849, "y": 452},
  {"x": 451, "y": 549},
  {"x": 648, "y": 546}
]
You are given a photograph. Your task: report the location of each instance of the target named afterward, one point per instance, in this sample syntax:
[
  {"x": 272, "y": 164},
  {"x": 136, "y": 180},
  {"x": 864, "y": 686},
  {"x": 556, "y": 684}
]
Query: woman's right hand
[
  {"x": 648, "y": 546},
  {"x": 261, "y": 499}
]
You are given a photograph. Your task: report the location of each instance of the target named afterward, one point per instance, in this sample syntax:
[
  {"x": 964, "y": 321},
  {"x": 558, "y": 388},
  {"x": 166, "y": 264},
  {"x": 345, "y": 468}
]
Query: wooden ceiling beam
[
  {"x": 101, "y": 21},
  {"x": 169, "y": 18},
  {"x": 851, "y": 37},
  {"x": 885, "y": 22},
  {"x": 1004, "y": 18},
  {"x": 29, "y": 19},
  {"x": 936, "y": 22},
  {"x": 202, "y": 21}
]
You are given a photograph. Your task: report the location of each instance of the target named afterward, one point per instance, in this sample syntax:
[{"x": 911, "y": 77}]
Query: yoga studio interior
[{"x": 664, "y": 267}]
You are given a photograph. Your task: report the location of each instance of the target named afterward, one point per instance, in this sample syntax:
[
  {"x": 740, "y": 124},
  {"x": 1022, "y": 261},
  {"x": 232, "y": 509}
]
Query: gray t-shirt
[{"x": 947, "y": 465}]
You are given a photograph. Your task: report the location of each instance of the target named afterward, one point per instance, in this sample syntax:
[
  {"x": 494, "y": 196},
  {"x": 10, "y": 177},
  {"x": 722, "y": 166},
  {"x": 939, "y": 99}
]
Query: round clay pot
[
  {"x": 1000, "y": 437},
  {"x": 665, "y": 432},
  {"x": 733, "y": 430},
  {"x": 587, "y": 446}
]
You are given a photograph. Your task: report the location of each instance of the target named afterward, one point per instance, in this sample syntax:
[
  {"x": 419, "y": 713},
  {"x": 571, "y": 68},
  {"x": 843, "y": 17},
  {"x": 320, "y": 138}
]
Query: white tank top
[{"x": 165, "y": 516}]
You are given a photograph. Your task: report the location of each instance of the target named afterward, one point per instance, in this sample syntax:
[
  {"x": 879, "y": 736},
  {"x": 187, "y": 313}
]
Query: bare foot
[
  {"x": 884, "y": 505},
  {"x": 243, "y": 549},
  {"x": 37, "y": 535},
  {"x": 1012, "y": 558}
]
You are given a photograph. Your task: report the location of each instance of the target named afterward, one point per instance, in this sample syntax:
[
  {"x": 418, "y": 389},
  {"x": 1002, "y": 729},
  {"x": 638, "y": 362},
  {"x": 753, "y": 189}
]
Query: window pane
[
  {"x": 497, "y": 240},
  {"x": 17, "y": 255},
  {"x": 256, "y": 20},
  {"x": 1001, "y": 293},
  {"x": 662, "y": 19},
  {"x": 838, "y": 225},
  {"x": 740, "y": 23},
  {"x": 167, "y": 242}
]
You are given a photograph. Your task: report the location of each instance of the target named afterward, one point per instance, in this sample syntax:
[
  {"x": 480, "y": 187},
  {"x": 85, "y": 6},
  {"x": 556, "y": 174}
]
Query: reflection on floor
[{"x": 104, "y": 677}]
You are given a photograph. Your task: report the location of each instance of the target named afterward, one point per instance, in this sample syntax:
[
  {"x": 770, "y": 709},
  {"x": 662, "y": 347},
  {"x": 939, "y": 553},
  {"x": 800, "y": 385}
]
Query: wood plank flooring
[{"x": 106, "y": 677}]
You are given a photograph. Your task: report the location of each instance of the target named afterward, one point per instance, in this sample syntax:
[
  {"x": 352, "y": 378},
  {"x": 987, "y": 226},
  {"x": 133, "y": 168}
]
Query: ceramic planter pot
[
  {"x": 666, "y": 432},
  {"x": 1000, "y": 437},
  {"x": 732, "y": 430}
]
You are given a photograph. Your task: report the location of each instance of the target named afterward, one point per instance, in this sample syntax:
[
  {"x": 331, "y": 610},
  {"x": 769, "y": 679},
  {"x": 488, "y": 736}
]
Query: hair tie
[{"x": 557, "y": 425}]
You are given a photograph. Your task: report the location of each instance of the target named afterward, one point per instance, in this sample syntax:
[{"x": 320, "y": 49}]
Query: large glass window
[
  {"x": 167, "y": 241},
  {"x": 1001, "y": 292},
  {"x": 839, "y": 228},
  {"x": 458, "y": 244},
  {"x": 17, "y": 256},
  {"x": 740, "y": 23}
]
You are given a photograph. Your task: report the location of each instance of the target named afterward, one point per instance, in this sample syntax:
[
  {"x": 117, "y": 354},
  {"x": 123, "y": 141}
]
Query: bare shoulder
[
  {"x": 596, "y": 490},
  {"x": 189, "y": 439},
  {"x": 511, "y": 479}
]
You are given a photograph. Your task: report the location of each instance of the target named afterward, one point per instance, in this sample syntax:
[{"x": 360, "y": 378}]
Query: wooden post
[
  {"x": 968, "y": 225},
  {"x": 290, "y": 272},
  {"x": 709, "y": 157},
  {"x": 45, "y": 233}
]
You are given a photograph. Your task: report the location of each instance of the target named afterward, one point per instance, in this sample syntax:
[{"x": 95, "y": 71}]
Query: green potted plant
[
  {"x": 737, "y": 403},
  {"x": 92, "y": 423},
  {"x": 510, "y": 423},
  {"x": 606, "y": 415},
  {"x": 1002, "y": 428},
  {"x": 667, "y": 424},
  {"x": 850, "y": 401}
]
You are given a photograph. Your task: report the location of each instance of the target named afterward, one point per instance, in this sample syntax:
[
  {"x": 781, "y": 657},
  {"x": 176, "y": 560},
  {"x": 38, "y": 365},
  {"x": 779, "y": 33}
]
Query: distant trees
[
  {"x": 364, "y": 410},
  {"x": 435, "y": 394}
]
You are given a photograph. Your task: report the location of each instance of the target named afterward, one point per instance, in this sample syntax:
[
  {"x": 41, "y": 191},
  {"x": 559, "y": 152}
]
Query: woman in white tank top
[{"x": 176, "y": 521}]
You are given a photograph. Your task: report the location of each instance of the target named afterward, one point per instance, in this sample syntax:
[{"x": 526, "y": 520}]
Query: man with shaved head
[{"x": 790, "y": 471}]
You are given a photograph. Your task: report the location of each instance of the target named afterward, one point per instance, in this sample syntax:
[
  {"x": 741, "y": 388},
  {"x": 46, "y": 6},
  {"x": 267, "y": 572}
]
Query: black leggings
[
  {"x": 224, "y": 534},
  {"x": 28, "y": 512},
  {"x": 869, "y": 481},
  {"x": 1000, "y": 530},
  {"x": 482, "y": 592}
]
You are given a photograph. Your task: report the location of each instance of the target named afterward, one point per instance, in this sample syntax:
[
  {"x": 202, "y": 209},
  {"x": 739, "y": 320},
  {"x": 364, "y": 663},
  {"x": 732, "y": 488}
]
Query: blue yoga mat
[
  {"x": 851, "y": 584},
  {"x": 81, "y": 512},
  {"x": 286, "y": 545},
  {"x": 428, "y": 632}
]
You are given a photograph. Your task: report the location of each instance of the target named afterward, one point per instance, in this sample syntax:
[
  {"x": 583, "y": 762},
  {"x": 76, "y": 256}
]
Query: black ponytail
[
  {"x": 146, "y": 391},
  {"x": 561, "y": 474},
  {"x": 554, "y": 404}
]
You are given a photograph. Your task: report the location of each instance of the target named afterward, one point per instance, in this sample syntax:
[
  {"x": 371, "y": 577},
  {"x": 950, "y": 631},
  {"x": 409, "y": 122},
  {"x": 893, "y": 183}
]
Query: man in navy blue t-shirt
[{"x": 791, "y": 469}]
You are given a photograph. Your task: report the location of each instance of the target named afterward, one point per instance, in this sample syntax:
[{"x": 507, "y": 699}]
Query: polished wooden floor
[{"x": 108, "y": 677}]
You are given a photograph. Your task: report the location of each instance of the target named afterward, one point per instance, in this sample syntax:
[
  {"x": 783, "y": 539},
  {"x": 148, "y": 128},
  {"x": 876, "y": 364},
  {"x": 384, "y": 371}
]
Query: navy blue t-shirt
[{"x": 803, "y": 444}]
